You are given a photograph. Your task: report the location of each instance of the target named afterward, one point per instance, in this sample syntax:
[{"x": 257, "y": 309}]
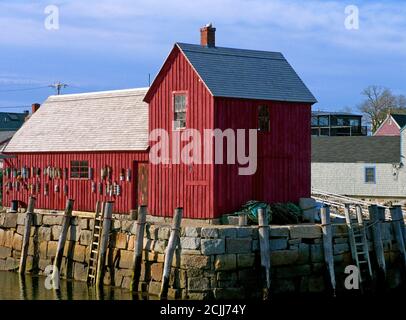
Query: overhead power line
[
  {"x": 15, "y": 107},
  {"x": 23, "y": 89}
]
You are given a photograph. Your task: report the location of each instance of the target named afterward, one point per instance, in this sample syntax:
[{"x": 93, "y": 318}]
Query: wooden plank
[
  {"x": 26, "y": 237},
  {"x": 108, "y": 213},
  {"x": 375, "y": 219},
  {"x": 170, "y": 250},
  {"x": 139, "y": 239},
  {"x": 64, "y": 232},
  {"x": 263, "y": 230},
  {"x": 328, "y": 244},
  {"x": 397, "y": 217},
  {"x": 350, "y": 232}
]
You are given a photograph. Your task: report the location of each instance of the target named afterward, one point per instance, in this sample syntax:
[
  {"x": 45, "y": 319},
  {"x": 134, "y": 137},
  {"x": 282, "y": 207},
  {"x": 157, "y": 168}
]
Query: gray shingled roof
[
  {"x": 400, "y": 119},
  {"x": 368, "y": 149},
  {"x": 249, "y": 74},
  {"x": 98, "y": 121}
]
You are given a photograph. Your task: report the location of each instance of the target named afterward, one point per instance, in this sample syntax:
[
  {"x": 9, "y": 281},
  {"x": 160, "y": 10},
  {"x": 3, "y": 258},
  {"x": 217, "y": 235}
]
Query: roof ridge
[
  {"x": 98, "y": 95},
  {"x": 233, "y": 54}
]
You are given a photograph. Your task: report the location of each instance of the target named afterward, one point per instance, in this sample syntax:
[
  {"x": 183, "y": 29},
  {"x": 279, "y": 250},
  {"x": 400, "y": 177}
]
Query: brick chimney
[
  {"x": 35, "y": 107},
  {"x": 208, "y": 36}
]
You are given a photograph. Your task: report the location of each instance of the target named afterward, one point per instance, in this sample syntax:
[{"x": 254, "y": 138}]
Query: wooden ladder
[
  {"x": 358, "y": 241},
  {"x": 94, "y": 246}
]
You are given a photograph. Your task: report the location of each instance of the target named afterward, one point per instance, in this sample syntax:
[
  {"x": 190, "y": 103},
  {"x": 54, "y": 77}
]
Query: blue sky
[{"x": 104, "y": 45}]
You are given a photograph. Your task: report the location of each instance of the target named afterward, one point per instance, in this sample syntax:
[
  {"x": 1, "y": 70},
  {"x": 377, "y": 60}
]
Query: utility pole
[{"x": 58, "y": 86}]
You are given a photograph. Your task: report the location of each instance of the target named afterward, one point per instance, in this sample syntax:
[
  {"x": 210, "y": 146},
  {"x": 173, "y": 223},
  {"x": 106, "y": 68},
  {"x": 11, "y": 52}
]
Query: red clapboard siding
[
  {"x": 79, "y": 190},
  {"x": 283, "y": 170},
  {"x": 179, "y": 185},
  {"x": 208, "y": 191}
]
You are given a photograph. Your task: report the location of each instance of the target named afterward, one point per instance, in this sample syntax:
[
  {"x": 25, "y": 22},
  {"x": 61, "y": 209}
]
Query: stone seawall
[{"x": 211, "y": 261}]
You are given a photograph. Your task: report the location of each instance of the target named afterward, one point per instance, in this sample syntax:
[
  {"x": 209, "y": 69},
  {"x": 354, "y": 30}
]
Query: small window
[
  {"x": 323, "y": 121},
  {"x": 354, "y": 123},
  {"x": 179, "y": 112},
  {"x": 370, "y": 175},
  {"x": 263, "y": 119},
  {"x": 79, "y": 169}
]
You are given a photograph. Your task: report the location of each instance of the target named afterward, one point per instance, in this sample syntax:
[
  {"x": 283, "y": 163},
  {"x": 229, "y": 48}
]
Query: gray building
[
  {"x": 337, "y": 124},
  {"x": 365, "y": 167}
]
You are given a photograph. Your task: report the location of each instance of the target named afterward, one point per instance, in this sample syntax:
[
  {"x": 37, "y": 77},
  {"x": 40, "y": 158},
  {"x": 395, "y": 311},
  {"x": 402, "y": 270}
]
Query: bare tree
[{"x": 378, "y": 102}]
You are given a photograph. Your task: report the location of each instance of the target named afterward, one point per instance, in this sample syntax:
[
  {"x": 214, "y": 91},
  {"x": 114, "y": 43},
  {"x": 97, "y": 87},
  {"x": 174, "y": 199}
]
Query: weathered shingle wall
[{"x": 349, "y": 179}]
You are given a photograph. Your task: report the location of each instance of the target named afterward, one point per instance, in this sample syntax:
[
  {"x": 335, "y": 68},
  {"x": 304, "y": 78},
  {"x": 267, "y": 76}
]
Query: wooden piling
[
  {"x": 242, "y": 219},
  {"x": 351, "y": 233},
  {"x": 139, "y": 240},
  {"x": 107, "y": 217},
  {"x": 328, "y": 244},
  {"x": 170, "y": 250},
  {"x": 64, "y": 232},
  {"x": 397, "y": 217},
  {"x": 27, "y": 231},
  {"x": 375, "y": 216},
  {"x": 402, "y": 226},
  {"x": 263, "y": 230},
  {"x": 360, "y": 217}
]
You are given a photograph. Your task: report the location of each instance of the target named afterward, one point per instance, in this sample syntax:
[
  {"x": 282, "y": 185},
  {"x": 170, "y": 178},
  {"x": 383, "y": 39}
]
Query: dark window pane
[
  {"x": 79, "y": 169},
  {"x": 263, "y": 118},
  {"x": 323, "y": 121},
  {"x": 370, "y": 175}
]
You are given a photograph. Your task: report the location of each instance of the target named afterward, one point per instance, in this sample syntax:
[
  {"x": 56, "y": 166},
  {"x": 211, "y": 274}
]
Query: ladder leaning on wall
[
  {"x": 358, "y": 241},
  {"x": 95, "y": 243}
]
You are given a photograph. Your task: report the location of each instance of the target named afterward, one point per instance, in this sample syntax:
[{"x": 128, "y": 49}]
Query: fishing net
[{"x": 278, "y": 213}]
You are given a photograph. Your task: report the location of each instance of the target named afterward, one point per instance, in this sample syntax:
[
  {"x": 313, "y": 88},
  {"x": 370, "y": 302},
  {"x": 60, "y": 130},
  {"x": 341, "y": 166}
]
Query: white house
[{"x": 365, "y": 167}]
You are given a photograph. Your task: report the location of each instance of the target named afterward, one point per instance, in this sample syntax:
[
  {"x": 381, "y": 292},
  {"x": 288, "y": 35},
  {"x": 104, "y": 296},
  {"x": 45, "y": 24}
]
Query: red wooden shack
[
  {"x": 86, "y": 147},
  {"x": 208, "y": 87},
  {"x": 95, "y": 146}
]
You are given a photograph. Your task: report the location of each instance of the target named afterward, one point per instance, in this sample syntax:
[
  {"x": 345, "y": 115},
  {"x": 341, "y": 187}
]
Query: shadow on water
[{"x": 32, "y": 287}]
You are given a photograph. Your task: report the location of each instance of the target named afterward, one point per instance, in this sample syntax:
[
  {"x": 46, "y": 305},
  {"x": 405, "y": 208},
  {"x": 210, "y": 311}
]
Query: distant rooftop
[
  {"x": 366, "y": 149},
  {"x": 11, "y": 121},
  {"x": 400, "y": 119},
  {"x": 334, "y": 113}
]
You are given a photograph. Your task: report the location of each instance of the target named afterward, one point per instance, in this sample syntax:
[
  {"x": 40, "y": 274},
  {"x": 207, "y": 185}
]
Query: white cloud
[{"x": 145, "y": 24}]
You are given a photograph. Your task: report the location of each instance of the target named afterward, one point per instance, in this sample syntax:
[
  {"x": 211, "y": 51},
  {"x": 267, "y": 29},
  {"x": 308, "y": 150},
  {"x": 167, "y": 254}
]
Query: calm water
[{"x": 15, "y": 287}]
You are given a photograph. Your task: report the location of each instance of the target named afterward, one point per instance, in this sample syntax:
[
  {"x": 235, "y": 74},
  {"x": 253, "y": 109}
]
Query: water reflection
[{"x": 28, "y": 287}]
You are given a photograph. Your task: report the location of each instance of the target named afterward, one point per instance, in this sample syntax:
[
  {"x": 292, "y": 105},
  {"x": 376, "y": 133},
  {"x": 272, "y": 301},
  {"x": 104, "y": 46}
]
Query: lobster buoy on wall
[
  {"x": 90, "y": 173},
  {"x": 65, "y": 189},
  {"x": 100, "y": 187},
  {"x": 38, "y": 188},
  {"x": 93, "y": 187},
  {"x": 128, "y": 175},
  {"x": 56, "y": 188}
]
